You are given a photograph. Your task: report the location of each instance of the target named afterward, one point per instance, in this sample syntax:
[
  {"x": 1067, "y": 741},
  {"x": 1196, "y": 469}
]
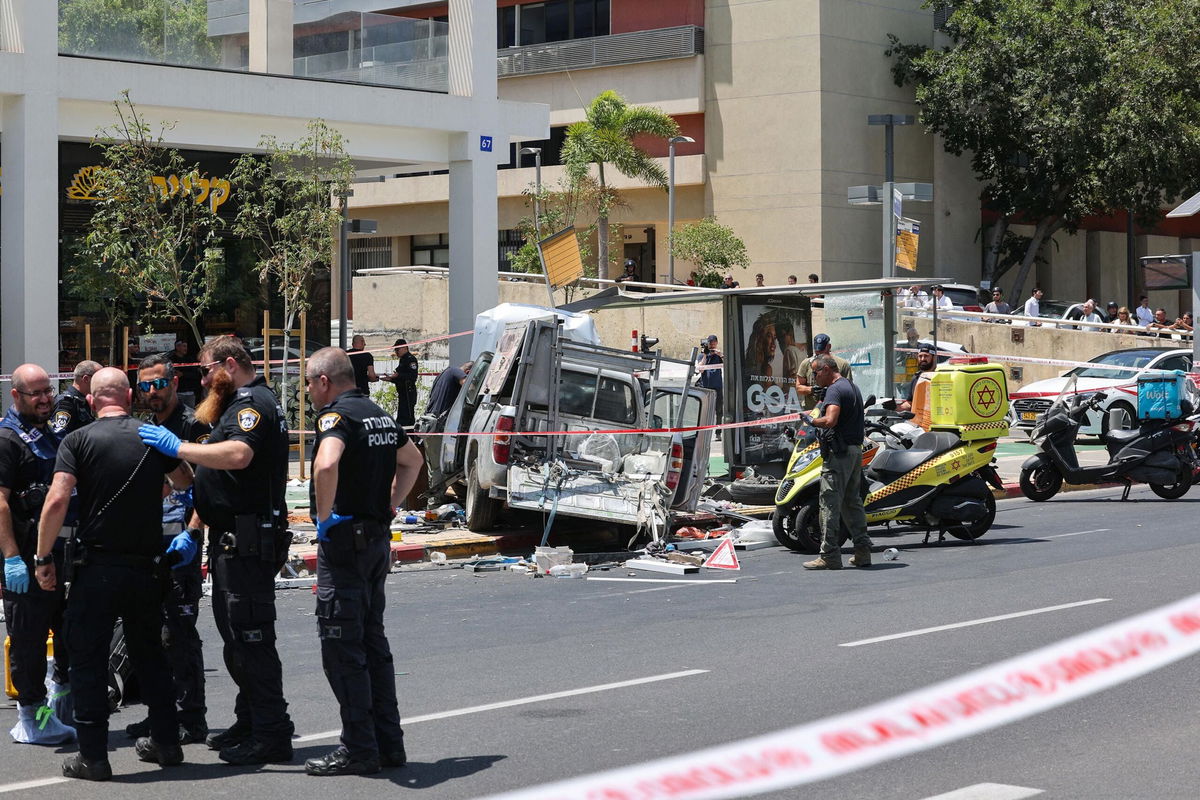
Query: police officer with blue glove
[
  {"x": 158, "y": 384},
  {"x": 116, "y": 570},
  {"x": 363, "y": 467},
  {"x": 27, "y": 451},
  {"x": 241, "y": 475}
]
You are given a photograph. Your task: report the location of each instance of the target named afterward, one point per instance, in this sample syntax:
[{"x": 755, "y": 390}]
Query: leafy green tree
[
  {"x": 169, "y": 31},
  {"x": 1066, "y": 108},
  {"x": 287, "y": 211},
  {"x": 712, "y": 247},
  {"x": 156, "y": 240},
  {"x": 606, "y": 136}
]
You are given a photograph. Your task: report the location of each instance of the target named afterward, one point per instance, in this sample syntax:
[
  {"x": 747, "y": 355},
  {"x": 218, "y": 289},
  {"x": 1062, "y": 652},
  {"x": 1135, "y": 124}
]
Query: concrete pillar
[
  {"x": 473, "y": 246},
  {"x": 472, "y": 44},
  {"x": 271, "y": 36},
  {"x": 474, "y": 216},
  {"x": 29, "y": 213}
]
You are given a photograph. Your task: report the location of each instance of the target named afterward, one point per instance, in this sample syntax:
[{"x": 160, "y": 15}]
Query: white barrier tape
[
  {"x": 1054, "y": 362},
  {"x": 54, "y": 376},
  {"x": 945, "y": 712}
]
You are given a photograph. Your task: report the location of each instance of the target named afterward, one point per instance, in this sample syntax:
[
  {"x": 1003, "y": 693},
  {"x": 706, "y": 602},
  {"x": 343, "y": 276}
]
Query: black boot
[
  {"x": 237, "y": 733},
  {"x": 167, "y": 755},
  {"x": 77, "y": 766},
  {"x": 339, "y": 762}
]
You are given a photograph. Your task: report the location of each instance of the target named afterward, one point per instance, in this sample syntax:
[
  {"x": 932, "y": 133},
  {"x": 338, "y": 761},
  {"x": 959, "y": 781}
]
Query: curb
[{"x": 1013, "y": 490}]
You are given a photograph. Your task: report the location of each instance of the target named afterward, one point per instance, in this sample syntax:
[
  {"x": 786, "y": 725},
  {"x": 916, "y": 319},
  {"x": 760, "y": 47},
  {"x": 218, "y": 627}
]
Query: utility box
[
  {"x": 1159, "y": 395},
  {"x": 969, "y": 397}
]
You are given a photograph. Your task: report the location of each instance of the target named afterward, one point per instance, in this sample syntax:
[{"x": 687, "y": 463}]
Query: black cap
[
  {"x": 1112, "y": 304},
  {"x": 820, "y": 341},
  {"x": 712, "y": 337},
  {"x": 926, "y": 347},
  {"x": 399, "y": 342}
]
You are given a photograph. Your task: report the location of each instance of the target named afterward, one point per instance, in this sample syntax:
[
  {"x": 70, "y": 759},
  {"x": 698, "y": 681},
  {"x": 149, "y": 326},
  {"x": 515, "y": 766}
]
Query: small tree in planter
[{"x": 713, "y": 248}]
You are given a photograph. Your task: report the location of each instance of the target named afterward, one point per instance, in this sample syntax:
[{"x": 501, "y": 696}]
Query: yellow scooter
[{"x": 940, "y": 482}]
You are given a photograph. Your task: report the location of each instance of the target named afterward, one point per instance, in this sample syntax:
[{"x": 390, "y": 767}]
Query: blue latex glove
[
  {"x": 16, "y": 575},
  {"x": 323, "y": 525},
  {"x": 185, "y": 497},
  {"x": 160, "y": 439},
  {"x": 186, "y": 546}
]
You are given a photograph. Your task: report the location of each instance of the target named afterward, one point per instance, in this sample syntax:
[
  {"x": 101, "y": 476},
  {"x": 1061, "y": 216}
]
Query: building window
[
  {"x": 551, "y": 21},
  {"x": 551, "y": 149},
  {"x": 372, "y": 252},
  {"x": 510, "y": 242},
  {"x": 431, "y": 250}
]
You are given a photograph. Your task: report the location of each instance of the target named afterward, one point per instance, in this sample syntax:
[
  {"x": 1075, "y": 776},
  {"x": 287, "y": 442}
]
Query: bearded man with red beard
[{"x": 241, "y": 472}]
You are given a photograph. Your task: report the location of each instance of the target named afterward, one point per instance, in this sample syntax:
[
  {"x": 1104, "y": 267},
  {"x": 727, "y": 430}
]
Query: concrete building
[
  {"x": 224, "y": 88},
  {"x": 776, "y": 94}
]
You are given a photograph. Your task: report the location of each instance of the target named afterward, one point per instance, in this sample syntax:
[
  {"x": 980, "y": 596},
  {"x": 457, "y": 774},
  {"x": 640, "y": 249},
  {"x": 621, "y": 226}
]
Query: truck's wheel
[{"x": 480, "y": 510}]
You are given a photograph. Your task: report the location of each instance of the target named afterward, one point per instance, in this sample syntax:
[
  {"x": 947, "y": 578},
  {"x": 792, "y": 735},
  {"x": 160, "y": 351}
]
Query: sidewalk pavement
[{"x": 459, "y": 543}]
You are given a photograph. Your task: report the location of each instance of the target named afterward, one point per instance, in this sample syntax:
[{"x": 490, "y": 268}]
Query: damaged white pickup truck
[{"x": 574, "y": 429}]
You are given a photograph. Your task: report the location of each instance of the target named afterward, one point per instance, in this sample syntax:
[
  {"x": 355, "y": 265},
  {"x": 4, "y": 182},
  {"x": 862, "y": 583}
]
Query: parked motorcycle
[
  {"x": 1159, "y": 452},
  {"x": 935, "y": 479}
]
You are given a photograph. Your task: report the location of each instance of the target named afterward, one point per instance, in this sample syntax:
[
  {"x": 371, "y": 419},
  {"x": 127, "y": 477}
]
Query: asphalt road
[{"x": 766, "y": 656}]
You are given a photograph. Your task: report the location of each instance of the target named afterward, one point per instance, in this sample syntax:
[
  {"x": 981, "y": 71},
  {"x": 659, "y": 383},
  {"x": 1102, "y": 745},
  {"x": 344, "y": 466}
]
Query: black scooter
[{"x": 1158, "y": 452}]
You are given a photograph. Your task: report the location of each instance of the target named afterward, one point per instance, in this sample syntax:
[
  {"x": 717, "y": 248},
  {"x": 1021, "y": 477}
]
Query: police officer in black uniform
[
  {"x": 114, "y": 565},
  {"x": 241, "y": 474},
  {"x": 405, "y": 380},
  {"x": 27, "y": 451},
  {"x": 363, "y": 466},
  {"x": 158, "y": 383},
  {"x": 71, "y": 409}
]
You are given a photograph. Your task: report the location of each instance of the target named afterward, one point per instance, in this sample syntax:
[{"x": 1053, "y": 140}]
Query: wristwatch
[{"x": 43, "y": 561}]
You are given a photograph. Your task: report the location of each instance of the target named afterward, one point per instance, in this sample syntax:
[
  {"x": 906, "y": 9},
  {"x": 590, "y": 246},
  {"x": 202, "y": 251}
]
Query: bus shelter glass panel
[
  {"x": 854, "y": 322},
  {"x": 768, "y": 339}
]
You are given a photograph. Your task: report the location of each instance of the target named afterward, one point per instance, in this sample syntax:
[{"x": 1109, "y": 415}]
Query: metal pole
[
  {"x": 537, "y": 219},
  {"x": 889, "y": 302},
  {"x": 671, "y": 212},
  {"x": 343, "y": 271},
  {"x": 888, "y": 154},
  {"x": 1195, "y": 306}
]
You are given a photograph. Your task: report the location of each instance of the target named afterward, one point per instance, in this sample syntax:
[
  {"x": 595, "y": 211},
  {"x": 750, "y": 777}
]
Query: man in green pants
[{"x": 842, "y": 425}]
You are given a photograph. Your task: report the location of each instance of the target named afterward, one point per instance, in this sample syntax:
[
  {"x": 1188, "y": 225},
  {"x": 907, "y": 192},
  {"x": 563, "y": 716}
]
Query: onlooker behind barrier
[
  {"x": 1111, "y": 311},
  {"x": 1033, "y": 306},
  {"x": 1124, "y": 320},
  {"x": 939, "y": 300},
  {"x": 1088, "y": 313},
  {"x": 712, "y": 378},
  {"x": 997, "y": 306},
  {"x": 1160, "y": 325},
  {"x": 1143, "y": 313},
  {"x": 1184, "y": 323}
]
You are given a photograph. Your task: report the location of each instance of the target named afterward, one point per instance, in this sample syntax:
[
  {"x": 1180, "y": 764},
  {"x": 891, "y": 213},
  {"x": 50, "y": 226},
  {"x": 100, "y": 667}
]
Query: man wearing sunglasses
[
  {"x": 158, "y": 385},
  {"x": 71, "y": 409},
  {"x": 241, "y": 472}
]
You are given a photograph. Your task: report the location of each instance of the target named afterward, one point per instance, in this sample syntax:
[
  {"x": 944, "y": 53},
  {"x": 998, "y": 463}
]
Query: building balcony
[{"x": 635, "y": 47}]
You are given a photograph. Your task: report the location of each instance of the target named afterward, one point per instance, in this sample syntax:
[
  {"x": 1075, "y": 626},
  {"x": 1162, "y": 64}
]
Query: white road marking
[
  {"x": 540, "y": 698},
  {"x": 665, "y": 580},
  {"x": 1076, "y": 533},
  {"x": 971, "y": 622},
  {"x": 37, "y": 784},
  {"x": 988, "y": 791}
]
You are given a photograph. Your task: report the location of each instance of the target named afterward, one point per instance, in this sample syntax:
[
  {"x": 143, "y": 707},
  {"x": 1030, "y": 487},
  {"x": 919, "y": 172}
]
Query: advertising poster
[{"x": 773, "y": 339}]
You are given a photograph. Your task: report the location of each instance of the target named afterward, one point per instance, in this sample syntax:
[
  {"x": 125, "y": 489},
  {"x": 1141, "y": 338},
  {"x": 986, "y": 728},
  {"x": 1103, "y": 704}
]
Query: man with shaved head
[
  {"x": 115, "y": 571},
  {"x": 363, "y": 467},
  {"x": 71, "y": 410},
  {"x": 28, "y": 449}
]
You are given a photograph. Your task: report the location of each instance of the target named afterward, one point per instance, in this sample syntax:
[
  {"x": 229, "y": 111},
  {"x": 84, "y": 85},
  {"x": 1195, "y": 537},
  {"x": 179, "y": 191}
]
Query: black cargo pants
[
  {"x": 354, "y": 648},
  {"x": 243, "y": 605},
  {"x": 30, "y": 617},
  {"x": 185, "y": 649}
]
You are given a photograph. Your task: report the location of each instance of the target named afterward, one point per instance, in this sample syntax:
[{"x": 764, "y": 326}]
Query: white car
[{"x": 1026, "y": 405}]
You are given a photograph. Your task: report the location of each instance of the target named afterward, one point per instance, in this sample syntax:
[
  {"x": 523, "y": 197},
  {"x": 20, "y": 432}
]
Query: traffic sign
[{"x": 724, "y": 557}]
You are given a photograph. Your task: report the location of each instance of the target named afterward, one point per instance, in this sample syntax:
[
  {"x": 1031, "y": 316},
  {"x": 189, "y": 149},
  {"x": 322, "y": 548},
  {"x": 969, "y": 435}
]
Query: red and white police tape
[{"x": 945, "y": 712}]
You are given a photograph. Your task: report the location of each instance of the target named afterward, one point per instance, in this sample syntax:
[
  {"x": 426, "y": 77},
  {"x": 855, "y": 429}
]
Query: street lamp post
[
  {"x": 344, "y": 266},
  {"x": 890, "y": 196},
  {"x": 674, "y": 140},
  {"x": 536, "y": 152}
]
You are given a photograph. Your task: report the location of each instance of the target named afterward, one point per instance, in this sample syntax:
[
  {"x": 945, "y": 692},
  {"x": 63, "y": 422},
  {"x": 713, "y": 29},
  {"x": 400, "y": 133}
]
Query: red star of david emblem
[{"x": 986, "y": 397}]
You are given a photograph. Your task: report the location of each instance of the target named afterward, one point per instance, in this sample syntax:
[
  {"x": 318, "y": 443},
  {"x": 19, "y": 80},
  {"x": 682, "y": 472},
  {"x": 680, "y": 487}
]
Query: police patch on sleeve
[
  {"x": 327, "y": 421},
  {"x": 248, "y": 419},
  {"x": 60, "y": 421}
]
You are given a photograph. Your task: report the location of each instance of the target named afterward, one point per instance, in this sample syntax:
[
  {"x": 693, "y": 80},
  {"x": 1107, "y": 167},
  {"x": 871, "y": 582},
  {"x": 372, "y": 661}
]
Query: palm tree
[{"x": 606, "y": 136}]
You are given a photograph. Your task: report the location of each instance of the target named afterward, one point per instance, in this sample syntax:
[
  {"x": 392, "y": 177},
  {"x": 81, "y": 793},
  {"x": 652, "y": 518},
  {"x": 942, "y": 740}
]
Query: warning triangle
[{"x": 724, "y": 557}]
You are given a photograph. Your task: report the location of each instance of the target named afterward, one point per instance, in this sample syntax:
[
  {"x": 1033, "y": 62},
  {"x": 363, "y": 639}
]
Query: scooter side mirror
[
  {"x": 790, "y": 433},
  {"x": 870, "y": 401}
]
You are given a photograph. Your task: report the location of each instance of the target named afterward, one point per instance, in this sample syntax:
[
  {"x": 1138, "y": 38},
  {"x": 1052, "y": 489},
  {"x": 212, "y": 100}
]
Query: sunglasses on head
[{"x": 157, "y": 383}]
